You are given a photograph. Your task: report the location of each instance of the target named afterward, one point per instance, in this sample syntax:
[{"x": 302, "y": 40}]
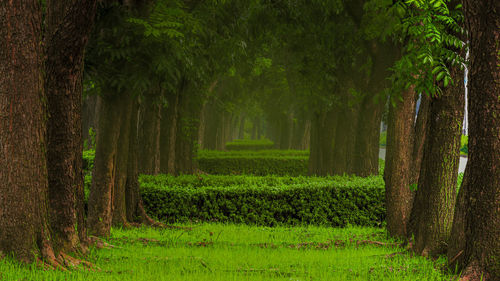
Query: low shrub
[
  {"x": 268, "y": 201},
  {"x": 246, "y": 144},
  {"x": 464, "y": 145}
]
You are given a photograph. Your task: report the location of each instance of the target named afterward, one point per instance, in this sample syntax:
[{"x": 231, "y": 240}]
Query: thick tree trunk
[
  {"x": 100, "y": 200},
  {"x": 149, "y": 136},
  {"x": 433, "y": 210},
  {"x": 475, "y": 243},
  {"x": 168, "y": 134},
  {"x": 398, "y": 163},
  {"x": 24, "y": 230},
  {"x": 63, "y": 78}
]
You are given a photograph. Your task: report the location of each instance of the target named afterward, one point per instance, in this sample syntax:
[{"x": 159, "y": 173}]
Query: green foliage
[
  {"x": 88, "y": 160},
  {"x": 270, "y": 201},
  {"x": 464, "y": 145},
  {"x": 244, "y": 162},
  {"x": 383, "y": 138},
  {"x": 263, "y": 144},
  {"x": 432, "y": 33}
]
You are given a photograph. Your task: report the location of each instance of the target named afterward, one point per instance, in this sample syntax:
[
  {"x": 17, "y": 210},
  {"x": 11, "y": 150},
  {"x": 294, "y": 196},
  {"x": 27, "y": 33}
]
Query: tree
[
  {"x": 63, "y": 85},
  {"x": 474, "y": 244}
]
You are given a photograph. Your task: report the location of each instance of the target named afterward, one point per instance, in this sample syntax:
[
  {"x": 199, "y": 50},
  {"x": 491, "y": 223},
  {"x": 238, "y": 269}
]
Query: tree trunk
[
  {"x": 24, "y": 230},
  {"x": 149, "y": 136},
  {"x": 121, "y": 173},
  {"x": 367, "y": 137},
  {"x": 420, "y": 133},
  {"x": 475, "y": 243},
  {"x": 168, "y": 134},
  {"x": 241, "y": 127},
  {"x": 89, "y": 114},
  {"x": 322, "y": 137},
  {"x": 398, "y": 162},
  {"x": 187, "y": 130},
  {"x": 345, "y": 136},
  {"x": 63, "y": 73},
  {"x": 100, "y": 200}
]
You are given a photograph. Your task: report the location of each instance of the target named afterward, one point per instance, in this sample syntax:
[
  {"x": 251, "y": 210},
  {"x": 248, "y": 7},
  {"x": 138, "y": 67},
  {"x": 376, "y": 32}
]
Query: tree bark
[
  {"x": 367, "y": 137},
  {"x": 321, "y": 156},
  {"x": 345, "y": 137},
  {"x": 149, "y": 136},
  {"x": 24, "y": 230},
  {"x": 398, "y": 162},
  {"x": 187, "y": 131},
  {"x": 168, "y": 134},
  {"x": 475, "y": 243},
  {"x": 100, "y": 202},
  {"x": 63, "y": 84},
  {"x": 420, "y": 133}
]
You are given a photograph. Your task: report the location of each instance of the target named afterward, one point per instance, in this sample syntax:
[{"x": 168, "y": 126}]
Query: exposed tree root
[
  {"x": 474, "y": 273},
  {"x": 99, "y": 243}
]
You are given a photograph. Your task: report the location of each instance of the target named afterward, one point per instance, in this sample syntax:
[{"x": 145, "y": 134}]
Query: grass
[{"x": 239, "y": 252}]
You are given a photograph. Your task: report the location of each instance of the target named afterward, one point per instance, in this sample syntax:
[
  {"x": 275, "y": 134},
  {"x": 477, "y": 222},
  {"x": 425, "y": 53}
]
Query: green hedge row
[
  {"x": 259, "y": 166},
  {"x": 268, "y": 201},
  {"x": 245, "y": 144}
]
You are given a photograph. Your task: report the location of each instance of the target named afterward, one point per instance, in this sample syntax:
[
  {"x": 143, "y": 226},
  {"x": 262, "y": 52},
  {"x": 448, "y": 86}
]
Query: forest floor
[{"x": 240, "y": 252}]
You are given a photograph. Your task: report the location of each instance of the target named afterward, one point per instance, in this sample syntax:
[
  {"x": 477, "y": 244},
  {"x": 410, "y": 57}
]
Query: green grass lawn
[{"x": 239, "y": 252}]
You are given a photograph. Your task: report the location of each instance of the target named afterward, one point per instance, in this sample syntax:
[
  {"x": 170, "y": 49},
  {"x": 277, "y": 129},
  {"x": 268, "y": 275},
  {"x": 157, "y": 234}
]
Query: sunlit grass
[{"x": 239, "y": 252}]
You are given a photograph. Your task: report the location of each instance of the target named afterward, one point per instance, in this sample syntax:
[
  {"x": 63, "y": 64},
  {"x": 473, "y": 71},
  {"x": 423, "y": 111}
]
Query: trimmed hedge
[
  {"x": 259, "y": 166},
  {"x": 268, "y": 201},
  {"x": 250, "y": 144}
]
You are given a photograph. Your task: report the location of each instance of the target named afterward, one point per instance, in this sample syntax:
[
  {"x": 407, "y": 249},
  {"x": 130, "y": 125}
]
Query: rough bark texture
[
  {"x": 476, "y": 230},
  {"x": 23, "y": 169},
  {"x": 100, "y": 200},
  {"x": 63, "y": 85},
  {"x": 436, "y": 194},
  {"x": 397, "y": 173}
]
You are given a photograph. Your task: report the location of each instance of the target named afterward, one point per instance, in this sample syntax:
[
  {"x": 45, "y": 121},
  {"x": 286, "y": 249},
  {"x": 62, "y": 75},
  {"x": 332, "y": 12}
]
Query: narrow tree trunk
[
  {"x": 100, "y": 200},
  {"x": 322, "y": 137},
  {"x": 89, "y": 114},
  {"x": 345, "y": 136},
  {"x": 398, "y": 163},
  {"x": 241, "y": 127},
  {"x": 368, "y": 137},
  {"x": 149, "y": 137},
  {"x": 420, "y": 133},
  {"x": 475, "y": 243},
  {"x": 135, "y": 212},
  {"x": 63, "y": 73},
  {"x": 121, "y": 173},
  {"x": 24, "y": 230},
  {"x": 168, "y": 134},
  {"x": 187, "y": 130}
]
